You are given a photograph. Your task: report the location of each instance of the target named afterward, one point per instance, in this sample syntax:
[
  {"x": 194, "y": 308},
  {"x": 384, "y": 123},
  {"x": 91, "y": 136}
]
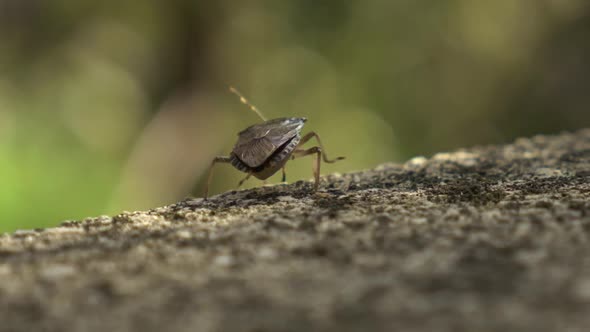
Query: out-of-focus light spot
[
  {"x": 246, "y": 39},
  {"x": 102, "y": 104},
  {"x": 499, "y": 30},
  {"x": 114, "y": 42},
  {"x": 361, "y": 127},
  {"x": 298, "y": 79}
]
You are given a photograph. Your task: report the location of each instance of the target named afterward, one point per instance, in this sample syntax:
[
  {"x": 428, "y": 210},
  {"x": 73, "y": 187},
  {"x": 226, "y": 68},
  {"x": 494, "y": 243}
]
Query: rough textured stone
[{"x": 483, "y": 239}]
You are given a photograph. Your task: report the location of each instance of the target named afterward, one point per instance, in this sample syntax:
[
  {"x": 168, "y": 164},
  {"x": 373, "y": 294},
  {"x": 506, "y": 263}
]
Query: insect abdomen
[
  {"x": 237, "y": 163},
  {"x": 283, "y": 153}
]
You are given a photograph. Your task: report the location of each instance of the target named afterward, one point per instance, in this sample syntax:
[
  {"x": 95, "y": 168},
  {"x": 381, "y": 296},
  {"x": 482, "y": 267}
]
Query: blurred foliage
[{"x": 107, "y": 106}]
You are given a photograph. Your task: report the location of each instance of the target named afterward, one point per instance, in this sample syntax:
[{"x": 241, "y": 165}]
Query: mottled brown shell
[{"x": 258, "y": 142}]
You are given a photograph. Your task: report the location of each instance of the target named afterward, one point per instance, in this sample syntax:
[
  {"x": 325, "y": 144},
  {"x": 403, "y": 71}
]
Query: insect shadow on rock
[{"x": 264, "y": 148}]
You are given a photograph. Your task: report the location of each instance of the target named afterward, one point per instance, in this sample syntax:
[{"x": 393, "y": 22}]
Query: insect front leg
[
  {"x": 218, "y": 159},
  {"x": 316, "y": 167},
  {"x": 312, "y": 134},
  {"x": 284, "y": 175}
]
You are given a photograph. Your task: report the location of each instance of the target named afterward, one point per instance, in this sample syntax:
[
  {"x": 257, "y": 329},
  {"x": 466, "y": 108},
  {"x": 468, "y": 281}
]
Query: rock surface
[{"x": 483, "y": 239}]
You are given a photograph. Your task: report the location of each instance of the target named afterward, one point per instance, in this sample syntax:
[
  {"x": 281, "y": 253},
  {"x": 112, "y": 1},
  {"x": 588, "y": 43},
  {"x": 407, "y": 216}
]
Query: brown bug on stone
[{"x": 264, "y": 148}]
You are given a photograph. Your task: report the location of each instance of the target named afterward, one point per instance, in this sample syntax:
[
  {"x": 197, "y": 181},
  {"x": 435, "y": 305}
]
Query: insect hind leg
[
  {"x": 316, "y": 166},
  {"x": 312, "y": 134}
]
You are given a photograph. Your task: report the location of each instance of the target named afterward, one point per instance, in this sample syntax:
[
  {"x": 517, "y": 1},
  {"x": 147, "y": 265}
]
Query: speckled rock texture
[{"x": 483, "y": 239}]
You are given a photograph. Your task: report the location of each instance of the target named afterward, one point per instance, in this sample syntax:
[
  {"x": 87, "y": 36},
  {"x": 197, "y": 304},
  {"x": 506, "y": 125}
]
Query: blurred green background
[{"x": 108, "y": 106}]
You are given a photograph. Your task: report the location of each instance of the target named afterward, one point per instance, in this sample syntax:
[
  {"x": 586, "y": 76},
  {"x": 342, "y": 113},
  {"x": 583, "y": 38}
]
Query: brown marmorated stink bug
[{"x": 264, "y": 148}]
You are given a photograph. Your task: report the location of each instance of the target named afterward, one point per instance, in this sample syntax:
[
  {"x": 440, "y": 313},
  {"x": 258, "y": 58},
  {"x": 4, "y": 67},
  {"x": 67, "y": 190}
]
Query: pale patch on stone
[{"x": 57, "y": 271}]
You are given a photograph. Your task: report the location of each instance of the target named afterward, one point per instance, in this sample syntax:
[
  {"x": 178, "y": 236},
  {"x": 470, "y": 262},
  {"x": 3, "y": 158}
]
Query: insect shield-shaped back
[{"x": 264, "y": 148}]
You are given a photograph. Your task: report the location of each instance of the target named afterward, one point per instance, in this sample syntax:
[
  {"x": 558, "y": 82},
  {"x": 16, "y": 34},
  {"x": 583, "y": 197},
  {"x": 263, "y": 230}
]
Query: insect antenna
[{"x": 246, "y": 102}]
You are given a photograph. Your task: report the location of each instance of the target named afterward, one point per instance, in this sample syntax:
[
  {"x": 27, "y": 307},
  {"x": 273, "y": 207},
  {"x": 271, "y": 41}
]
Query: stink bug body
[{"x": 264, "y": 148}]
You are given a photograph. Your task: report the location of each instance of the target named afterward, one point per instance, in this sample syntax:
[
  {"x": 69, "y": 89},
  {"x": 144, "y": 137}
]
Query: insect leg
[
  {"x": 244, "y": 180},
  {"x": 218, "y": 159},
  {"x": 316, "y": 167},
  {"x": 284, "y": 175},
  {"x": 312, "y": 134}
]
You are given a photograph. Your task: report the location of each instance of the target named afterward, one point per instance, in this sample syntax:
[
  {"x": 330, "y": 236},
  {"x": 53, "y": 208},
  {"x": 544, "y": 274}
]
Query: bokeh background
[{"x": 108, "y": 106}]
